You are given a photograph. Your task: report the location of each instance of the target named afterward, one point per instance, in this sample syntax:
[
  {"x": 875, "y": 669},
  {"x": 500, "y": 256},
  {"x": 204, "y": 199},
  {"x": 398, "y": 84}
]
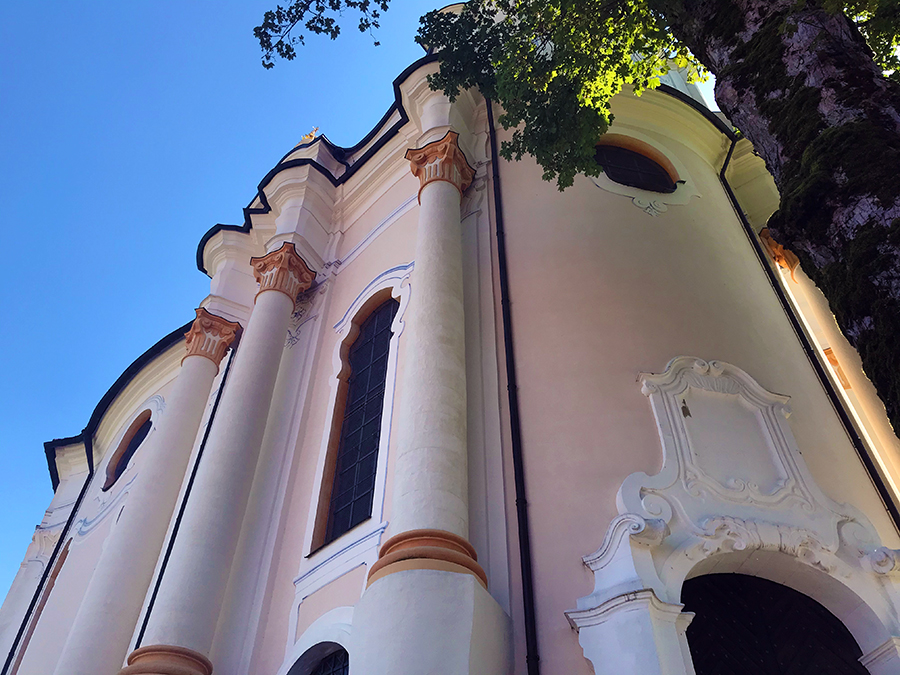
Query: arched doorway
[{"x": 751, "y": 626}]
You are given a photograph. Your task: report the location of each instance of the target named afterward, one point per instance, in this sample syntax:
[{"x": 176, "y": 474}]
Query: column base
[
  {"x": 420, "y": 621},
  {"x": 428, "y": 550},
  {"x": 166, "y": 660}
]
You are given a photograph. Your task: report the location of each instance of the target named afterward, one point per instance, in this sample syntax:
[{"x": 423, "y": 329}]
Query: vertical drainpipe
[
  {"x": 88, "y": 439},
  {"x": 836, "y": 402},
  {"x": 532, "y": 660}
]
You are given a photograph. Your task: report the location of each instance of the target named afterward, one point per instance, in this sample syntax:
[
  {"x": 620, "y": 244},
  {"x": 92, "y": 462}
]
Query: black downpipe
[
  {"x": 88, "y": 440},
  {"x": 833, "y": 396},
  {"x": 187, "y": 494},
  {"x": 532, "y": 660}
]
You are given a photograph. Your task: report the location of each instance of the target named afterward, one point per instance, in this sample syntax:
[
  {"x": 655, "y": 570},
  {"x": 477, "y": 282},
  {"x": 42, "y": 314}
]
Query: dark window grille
[
  {"x": 633, "y": 169},
  {"x": 357, "y": 455},
  {"x": 336, "y": 663}
]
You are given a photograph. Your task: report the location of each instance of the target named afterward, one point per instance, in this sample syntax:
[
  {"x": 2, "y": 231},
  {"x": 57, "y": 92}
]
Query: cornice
[
  {"x": 51, "y": 447},
  {"x": 285, "y": 164},
  {"x": 346, "y": 162}
]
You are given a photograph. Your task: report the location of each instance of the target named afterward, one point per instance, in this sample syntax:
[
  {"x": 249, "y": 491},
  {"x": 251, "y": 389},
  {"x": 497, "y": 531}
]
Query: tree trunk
[{"x": 803, "y": 88}]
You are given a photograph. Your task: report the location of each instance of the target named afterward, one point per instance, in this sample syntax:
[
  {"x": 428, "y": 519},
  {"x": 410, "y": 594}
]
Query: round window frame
[{"x": 653, "y": 203}]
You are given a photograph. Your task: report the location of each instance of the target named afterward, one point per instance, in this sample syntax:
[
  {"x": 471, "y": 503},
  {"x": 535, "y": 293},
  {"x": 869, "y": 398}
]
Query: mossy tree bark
[{"x": 801, "y": 84}]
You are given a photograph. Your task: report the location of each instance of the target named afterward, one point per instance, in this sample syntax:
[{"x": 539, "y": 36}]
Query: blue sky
[{"x": 127, "y": 129}]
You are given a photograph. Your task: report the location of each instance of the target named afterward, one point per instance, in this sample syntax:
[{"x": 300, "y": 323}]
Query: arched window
[
  {"x": 750, "y": 626},
  {"x": 129, "y": 444},
  {"x": 633, "y": 169},
  {"x": 336, "y": 663},
  {"x": 349, "y": 479}
]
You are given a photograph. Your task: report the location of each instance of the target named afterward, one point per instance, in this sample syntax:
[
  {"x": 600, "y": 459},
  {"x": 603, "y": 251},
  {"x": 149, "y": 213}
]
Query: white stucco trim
[
  {"x": 332, "y": 628},
  {"x": 105, "y": 502},
  {"x": 652, "y": 203},
  {"x": 359, "y": 546},
  {"x": 339, "y": 264},
  {"x": 733, "y": 495}
]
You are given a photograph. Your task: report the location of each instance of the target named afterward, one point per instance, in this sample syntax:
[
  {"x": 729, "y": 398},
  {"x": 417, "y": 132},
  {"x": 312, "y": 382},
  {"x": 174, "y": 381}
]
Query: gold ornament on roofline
[{"x": 309, "y": 137}]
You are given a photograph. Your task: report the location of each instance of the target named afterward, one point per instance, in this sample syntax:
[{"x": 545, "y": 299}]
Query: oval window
[
  {"x": 127, "y": 447},
  {"x": 633, "y": 169}
]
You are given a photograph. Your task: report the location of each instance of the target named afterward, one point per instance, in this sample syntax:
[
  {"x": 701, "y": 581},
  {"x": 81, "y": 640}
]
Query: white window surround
[
  {"x": 707, "y": 511},
  {"x": 653, "y": 203},
  {"x": 105, "y": 502},
  {"x": 358, "y": 546},
  {"x": 332, "y": 628}
]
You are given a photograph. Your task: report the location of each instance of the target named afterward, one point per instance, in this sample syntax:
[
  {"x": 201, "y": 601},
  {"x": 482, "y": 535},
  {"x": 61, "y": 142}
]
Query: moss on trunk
[{"x": 802, "y": 86}]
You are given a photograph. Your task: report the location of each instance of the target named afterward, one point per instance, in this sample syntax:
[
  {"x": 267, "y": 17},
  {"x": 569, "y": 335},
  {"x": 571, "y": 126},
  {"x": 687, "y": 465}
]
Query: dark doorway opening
[{"x": 750, "y": 626}]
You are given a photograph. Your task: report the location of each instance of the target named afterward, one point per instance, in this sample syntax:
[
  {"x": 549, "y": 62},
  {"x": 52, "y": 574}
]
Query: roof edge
[
  {"x": 339, "y": 153},
  {"x": 102, "y": 406}
]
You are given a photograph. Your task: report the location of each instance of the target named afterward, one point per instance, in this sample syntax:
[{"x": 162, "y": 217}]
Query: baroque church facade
[{"x": 436, "y": 417}]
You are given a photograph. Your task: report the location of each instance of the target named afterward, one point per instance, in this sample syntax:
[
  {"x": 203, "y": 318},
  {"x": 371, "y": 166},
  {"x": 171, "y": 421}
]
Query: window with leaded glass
[
  {"x": 336, "y": 663},
  {"x": 357, "y": 452},
  {"x": 633, "y": 169}
]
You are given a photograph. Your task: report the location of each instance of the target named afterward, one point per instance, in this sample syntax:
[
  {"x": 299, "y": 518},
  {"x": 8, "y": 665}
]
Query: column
[
  {"x": 426, "y": 608},
  {"x": 112, "y": 603},
  {"x": 183, "y": 620},
  {"x": 429, "y": 518}
]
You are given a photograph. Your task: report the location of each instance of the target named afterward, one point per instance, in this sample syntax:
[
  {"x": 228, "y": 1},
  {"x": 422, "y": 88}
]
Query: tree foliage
[
  {"x": 554, "y": 65},
  {"x": 281, "y": 29}
]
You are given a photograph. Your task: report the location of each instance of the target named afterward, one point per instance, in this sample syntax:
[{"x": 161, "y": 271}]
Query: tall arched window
[
  {"x": 750, "y": 626},
  {"x": 349, "y": 480},
  {"x": 129, "y": 444}
]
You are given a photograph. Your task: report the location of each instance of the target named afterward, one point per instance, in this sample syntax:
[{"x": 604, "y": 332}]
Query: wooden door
[{"x": 750, "y": 626}]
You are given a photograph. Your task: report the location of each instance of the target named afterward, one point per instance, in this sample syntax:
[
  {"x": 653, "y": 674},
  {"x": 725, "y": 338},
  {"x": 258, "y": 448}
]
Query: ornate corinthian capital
[
  {"x": 210, "y": 336},
  {"x": 441, "y": 160},
  {"x": 282, "y": 270}
]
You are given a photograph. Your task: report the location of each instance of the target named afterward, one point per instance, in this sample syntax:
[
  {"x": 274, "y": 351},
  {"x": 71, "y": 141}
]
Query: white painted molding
[
  {"x": 649, "y": 532},
  {"x": 884, "y": 560},
  {"x": 652, "y": 203},
  {"x": 734, "y": 494},
  {"x": 303, "y": 313},
  {"x": 332, "y": 628},
  {"x": 883, "y": 660},
  {"x": 634, "y": 633},
  {"x": 727, "y": 439},
  {"x": 358, "y": 546},
  {"x": 107, "y": 502},
  {"x": 338, "y": 264}
]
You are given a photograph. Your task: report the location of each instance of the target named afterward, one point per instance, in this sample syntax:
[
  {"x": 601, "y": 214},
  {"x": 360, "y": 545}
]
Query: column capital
[
  {"x": 282, "y": 270},
  {"x": 210, "y": 336},
  {"x": 783, "y": 257},
  {"x": 441, "y": 160}
]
